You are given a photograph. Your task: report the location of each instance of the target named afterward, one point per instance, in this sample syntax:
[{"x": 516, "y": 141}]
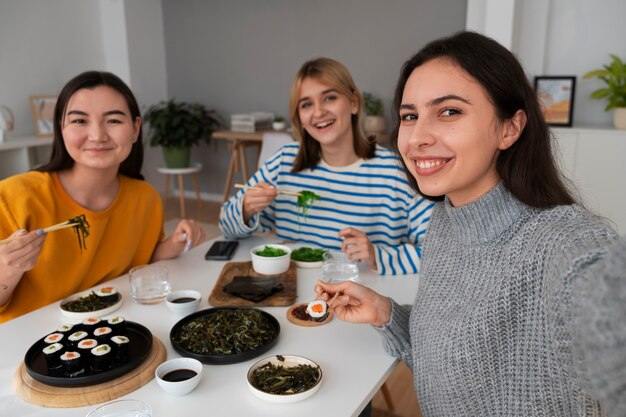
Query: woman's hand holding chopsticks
[
  {"x": 257, "y": 198},
  {"x": 19, "y": 255}
]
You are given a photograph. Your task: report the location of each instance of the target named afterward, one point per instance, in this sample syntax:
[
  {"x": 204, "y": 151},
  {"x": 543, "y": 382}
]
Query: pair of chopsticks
[
  {"x": 53, "y": 228},
  {"x": 245, "y": 187}
]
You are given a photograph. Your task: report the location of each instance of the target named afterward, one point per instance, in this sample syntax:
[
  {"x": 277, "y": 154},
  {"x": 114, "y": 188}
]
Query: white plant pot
[
  {"x": 278, "y": 125},
  {"x": 619, "y": 118}
]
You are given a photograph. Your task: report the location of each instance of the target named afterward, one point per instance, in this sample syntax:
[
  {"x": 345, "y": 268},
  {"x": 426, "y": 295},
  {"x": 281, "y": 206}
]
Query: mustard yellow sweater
[{"x": 121, "y": 237}]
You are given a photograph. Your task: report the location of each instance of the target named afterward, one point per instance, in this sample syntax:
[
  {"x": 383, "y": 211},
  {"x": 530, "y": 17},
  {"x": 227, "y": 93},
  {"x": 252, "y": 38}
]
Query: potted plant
[
  {"x": 176, "y": 126},
  {"x": 614, "y": 76},
  {"x": 374, "y": 122},
  {"x": 278, "y": 123}
]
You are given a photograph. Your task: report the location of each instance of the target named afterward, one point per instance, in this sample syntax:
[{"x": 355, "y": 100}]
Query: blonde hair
[{"x": 332, "y": 73}]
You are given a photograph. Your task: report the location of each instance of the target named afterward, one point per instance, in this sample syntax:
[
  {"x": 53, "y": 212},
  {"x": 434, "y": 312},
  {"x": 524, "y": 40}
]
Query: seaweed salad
[
  {"x": 305, "y": 201},
  {"x": 227, "y": 332},
  {"x": 283, "y": 380}
]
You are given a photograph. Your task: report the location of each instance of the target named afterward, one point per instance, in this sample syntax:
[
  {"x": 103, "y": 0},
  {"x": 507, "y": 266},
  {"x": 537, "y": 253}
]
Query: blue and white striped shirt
[{"x": 371, "y": 195}]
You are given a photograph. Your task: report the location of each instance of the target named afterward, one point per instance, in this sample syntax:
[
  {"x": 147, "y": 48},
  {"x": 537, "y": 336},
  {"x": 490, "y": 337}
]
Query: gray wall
[{"x": 241, "y": 55}]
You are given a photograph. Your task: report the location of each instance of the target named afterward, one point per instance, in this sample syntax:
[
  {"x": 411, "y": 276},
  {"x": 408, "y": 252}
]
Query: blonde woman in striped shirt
[{"x": 367, "y": 207}]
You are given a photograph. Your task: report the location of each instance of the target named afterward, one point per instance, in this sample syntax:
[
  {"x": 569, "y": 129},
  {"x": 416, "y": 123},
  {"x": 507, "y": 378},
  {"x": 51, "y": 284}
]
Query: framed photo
[
  {"x": 556, "y": 95},
  {"x": 42, "y": 108}
]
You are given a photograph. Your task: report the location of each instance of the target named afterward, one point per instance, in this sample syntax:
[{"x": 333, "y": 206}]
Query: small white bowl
[
  {"x": 288, "y": 361},
  {"x": 186, "y": 307},
  {"x": 271, "y": 265},
  {"x": 179, "y": 387}
]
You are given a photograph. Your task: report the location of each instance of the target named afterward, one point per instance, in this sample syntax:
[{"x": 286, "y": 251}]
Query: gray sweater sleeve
[
  {"x": 396, "y": 335},
  {"x": 598, "y": 328}
]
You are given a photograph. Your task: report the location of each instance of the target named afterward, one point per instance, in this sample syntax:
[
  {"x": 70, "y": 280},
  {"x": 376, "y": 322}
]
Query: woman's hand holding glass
[
  {"x": 358, "y": 247},
  {"x": 355, "y": 303}
]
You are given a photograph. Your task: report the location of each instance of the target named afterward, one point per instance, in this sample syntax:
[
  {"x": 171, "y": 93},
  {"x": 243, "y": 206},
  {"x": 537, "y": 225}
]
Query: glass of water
[
  {"x": 149, "y": 284},
  {"x": 337, "y": 267},
  {"x": 122, "y": 408}
]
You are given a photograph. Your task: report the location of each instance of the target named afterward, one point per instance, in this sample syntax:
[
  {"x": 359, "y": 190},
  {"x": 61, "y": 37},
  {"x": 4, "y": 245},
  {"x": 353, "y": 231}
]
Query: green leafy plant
[
  {"x": 180, "y": 124},
  {"x": 373, "y": 105},
  {"x": 614, "y": 75},
  {"x": 279, "y": 119}
]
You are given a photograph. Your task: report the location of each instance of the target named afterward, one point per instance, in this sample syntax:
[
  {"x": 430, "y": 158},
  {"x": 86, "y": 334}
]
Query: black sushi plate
[
  {"x": 224, "y": 359},
  {"x": 139, "y": 348}
]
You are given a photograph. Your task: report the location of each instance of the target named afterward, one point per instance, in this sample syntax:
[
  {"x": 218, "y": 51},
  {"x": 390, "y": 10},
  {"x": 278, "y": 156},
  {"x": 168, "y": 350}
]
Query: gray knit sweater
[{"x": 498, "y": 322}]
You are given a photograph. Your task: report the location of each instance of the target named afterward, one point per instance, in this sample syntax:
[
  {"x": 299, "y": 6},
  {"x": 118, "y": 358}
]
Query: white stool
[{"x": 193, "y": 170}]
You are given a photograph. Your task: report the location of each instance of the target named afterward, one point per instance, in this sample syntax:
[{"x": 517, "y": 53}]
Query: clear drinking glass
[
  {"x": 122, "y": 408},
  {"x": 149, "y": 284},
  {"x": 336, "y": 267}
]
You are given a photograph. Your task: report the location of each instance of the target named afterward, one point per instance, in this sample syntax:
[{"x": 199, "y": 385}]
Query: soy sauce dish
[
  {"x": 179, "y": 376},
  {"x": 183, "y": 302},
  {"x": 284, "y": 378}
]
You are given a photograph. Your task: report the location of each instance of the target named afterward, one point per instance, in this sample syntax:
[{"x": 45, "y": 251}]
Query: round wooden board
[
  {"x": 35, "y": 392},
  {"x": 306, "y": 323}
]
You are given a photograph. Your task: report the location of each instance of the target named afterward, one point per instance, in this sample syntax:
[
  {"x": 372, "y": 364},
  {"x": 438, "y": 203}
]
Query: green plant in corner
[
  {"x": 372, "y": 105},
  {"x": 614, "y": 76},
  {"x": 177, "y": 126}
]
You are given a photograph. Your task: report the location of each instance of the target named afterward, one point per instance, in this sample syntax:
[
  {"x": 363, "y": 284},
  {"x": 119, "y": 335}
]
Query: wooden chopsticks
[
  {"x": 53, "y": 228},
  {"x": 245, "y": 187}
]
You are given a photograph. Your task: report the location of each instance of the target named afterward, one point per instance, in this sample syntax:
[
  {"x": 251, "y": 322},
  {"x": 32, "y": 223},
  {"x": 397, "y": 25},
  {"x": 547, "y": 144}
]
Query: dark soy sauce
[
  {"x": 182, "y": 300},
  {"x": 178, "y": 375}
]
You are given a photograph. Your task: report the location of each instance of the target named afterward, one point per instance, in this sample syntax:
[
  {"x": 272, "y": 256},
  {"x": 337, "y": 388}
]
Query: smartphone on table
[{"x": 221, "y": 250}]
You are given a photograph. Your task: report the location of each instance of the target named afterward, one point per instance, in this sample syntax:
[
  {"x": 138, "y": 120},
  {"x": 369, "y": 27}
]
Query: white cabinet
[
  {"x": 21, "y": 153},
  {"x": 595, "y": 161}
]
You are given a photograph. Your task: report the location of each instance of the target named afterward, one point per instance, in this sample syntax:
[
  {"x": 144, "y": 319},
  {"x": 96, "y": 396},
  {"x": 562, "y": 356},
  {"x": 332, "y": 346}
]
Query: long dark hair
[
  {"x": 335, "y": 75},
  {"x": 60, "y": 158},
  {"x": 527, "y": 168}
]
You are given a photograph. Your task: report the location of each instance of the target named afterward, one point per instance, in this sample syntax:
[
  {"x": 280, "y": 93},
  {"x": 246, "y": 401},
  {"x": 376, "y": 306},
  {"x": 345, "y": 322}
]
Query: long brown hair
[
  {"x": 332, "y": 73},
  {"x": 60, "y": 158},
  {"x": 527, "y": 168}
]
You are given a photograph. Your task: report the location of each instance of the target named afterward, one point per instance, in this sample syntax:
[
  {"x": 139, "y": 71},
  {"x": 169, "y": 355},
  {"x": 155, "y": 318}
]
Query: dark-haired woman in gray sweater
[{"x": 521, "y": 309}]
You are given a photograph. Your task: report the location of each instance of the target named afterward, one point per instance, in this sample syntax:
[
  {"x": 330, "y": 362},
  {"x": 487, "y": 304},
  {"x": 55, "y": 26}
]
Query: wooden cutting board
[
  {"x": 286, "y": 297},
  {"x": 38, "y": 393}
]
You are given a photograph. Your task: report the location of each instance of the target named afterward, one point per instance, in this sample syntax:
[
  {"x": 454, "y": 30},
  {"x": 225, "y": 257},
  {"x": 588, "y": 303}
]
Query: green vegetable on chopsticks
[{"x": 305, "y": 201}]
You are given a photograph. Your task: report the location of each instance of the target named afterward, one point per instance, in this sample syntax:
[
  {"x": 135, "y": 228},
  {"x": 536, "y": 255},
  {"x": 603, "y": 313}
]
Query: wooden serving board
[
  {"x": 35, "y": 392},
  {"x": 286, "y": 297}
]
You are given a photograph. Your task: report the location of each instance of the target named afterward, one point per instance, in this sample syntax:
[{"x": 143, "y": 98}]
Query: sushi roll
[
  {"x": 72, "y": 363},
  {"x": 53, "y": 338},
  {"x": 66, "y": 329},
  {"x": 120, "y": 346},
  {"x": 102, "y": 358},
  {"x": 102, "y": 334},
  {"x": 318, "y": 310},
  {"x": 84, "y": 348},
  {"x": 75, "y": 338},
  {"x": 108, "y": 293},
  {"x": 118, "y": 325},
  {"x": 52, "y": 354},
  {"x": 90, "y": 324}
]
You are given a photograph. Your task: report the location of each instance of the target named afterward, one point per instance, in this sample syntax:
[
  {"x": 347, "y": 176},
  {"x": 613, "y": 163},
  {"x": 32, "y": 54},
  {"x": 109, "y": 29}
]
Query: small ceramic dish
[
  {"x": 179, "y": 376},
  {"x": 111, "y": 303},
  {"x": 122, "y": 408},
  {"x": 183, "y": 302},
  {"x": 274, "y": 265},
  {"x": 287, "y": 361}
]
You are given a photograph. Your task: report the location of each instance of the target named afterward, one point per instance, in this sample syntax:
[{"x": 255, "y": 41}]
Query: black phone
[{"x": 222, "y": 250}]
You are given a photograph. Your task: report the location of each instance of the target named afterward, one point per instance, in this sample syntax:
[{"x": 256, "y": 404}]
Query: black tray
[
  {"x": 139, "y": 349},
  {"x": 224, "y": 359}
]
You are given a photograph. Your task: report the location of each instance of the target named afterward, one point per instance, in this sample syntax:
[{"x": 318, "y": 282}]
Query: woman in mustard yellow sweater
[{"x": 94, "y": 170}]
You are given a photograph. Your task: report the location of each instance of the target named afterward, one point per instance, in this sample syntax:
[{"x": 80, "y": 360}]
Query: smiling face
[
  {"x": 98, "y": 130},
  {"x": 449, "y": 135},
  {"x": 326, "y": 114}
]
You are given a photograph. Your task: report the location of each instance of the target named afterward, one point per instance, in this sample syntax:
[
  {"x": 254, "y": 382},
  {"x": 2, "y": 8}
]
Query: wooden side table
[{"x": 193, "y": 171}]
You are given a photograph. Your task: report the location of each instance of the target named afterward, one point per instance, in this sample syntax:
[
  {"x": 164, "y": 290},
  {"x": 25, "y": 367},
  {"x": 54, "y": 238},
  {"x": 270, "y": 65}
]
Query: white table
[{"x": 351, "y": 356}]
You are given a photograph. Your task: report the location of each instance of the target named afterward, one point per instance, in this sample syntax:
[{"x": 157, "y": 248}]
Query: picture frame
[
  {"x": 556, "y": 96},
  {"x": 42, "y": 108}
]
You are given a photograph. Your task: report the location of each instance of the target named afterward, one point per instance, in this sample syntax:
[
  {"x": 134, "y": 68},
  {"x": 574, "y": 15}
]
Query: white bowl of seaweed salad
[
  {"x": 306, "y": 257},
  {"x": 271, "y": 259},
  {"x": 97, "y": 302},
  {"x": 284, "y": 378}
]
